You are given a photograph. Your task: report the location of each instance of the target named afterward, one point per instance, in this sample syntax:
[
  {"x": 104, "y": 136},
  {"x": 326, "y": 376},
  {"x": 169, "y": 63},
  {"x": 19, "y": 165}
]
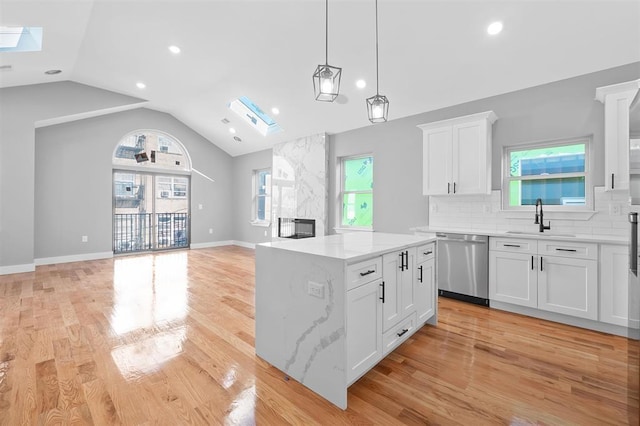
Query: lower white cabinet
[
  {"x": 398, "y": 287},
  {"x": 545, "y": 274},
  {"x": 568, "y": 286},
  {"x": 364, "y": 328},
  {"x": 425, "y": 278},
  {"x": 615, "y": 294}
]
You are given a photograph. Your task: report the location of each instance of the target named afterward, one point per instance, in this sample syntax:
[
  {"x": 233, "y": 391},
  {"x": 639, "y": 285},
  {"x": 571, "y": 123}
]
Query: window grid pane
[
  {"x": 358, "y": 174},
  {"x": 548, "y": 160}
]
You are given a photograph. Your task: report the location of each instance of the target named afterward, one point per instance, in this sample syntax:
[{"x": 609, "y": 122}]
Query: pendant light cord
[
  {"x": 377, "y": 89},
  {"x": 326, "y": 32}
]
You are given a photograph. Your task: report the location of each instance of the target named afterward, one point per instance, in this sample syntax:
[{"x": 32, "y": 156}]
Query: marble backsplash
[
  {"x": 483, "y": 212},
  {"x": 300, "y": 182}
]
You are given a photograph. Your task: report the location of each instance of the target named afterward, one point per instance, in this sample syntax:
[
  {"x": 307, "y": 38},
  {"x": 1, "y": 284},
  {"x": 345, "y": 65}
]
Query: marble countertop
[
  {"x": 550, "y": 235},
  {"x": 353, "y": 246}
]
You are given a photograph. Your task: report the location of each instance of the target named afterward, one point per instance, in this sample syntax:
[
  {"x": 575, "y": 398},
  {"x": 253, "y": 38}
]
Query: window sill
[
  {"x": 556, "y": 215},
  {"x": 261, "y": 223},
  {"x": 344, "y": 230}
]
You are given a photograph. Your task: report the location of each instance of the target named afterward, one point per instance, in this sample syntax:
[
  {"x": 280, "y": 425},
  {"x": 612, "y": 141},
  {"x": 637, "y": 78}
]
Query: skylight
[
  {"x": 254, "y": 116},
  {"x": 20, "y": 39}
]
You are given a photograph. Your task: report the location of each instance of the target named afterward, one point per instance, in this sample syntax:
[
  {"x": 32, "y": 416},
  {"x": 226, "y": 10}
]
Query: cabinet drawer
[
  {"x": 514, "y": 245},
  {"x": 398, "y": 334},
  {"x": 426, "y": 252},
  {"x": 364, "y": 272},
  {"x": 568, "y": 249}
]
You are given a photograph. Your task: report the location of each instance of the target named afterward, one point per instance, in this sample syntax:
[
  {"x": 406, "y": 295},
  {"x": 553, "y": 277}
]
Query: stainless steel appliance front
[{"x": 463, "y": 267}]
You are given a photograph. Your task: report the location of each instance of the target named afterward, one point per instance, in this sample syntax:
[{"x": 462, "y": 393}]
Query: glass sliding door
[{"x": 151, "y": 212}]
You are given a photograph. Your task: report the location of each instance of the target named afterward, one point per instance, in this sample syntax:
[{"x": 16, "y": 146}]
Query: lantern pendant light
[
  {"x": 377, "y": 105},
  {"x": 326, "y": 79}
]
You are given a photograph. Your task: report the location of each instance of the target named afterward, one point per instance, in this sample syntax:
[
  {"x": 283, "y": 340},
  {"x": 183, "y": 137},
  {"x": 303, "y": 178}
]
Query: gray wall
[
  {"x": 73, "y": 177},
  {"x": 243, "y": 167},
  {"x": 20, "y": 108},
  {"x": 557, "y": 110}
]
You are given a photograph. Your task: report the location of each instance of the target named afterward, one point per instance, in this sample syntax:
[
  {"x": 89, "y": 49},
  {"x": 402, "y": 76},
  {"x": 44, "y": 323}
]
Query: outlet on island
[
  {"x": 85, "y": 238},
  {"x": 316, "y": 289}
]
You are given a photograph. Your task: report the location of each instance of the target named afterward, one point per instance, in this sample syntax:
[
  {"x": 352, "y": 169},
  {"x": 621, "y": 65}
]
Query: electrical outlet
[
  {"x": 433, "y": 208},
  {"x": 316, "y": 290},
  {"x": 486, "y": 208},
  {"x": 265, "y": 233},
  {"x": 85, "y": 238},
  {"x": 614, "y": 209},
  {"x": 199, "y": 206},
  {"x": 211, "y": 230}
]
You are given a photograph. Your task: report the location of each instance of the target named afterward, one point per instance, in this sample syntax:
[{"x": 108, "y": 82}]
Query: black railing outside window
[{"x": 134, "y": 231}]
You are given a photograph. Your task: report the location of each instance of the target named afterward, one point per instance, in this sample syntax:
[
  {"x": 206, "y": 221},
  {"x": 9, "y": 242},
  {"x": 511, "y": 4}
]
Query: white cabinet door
[
  {"x": 568, "y": 286},
  {"x": 614, "y": 286},
  {"x": 364, "y": 329},
  {"x": 471, "y": 167},
  {"x": 513, "y": 278},
  {"x": 425, "y": 291},
  {"x": 391, "y": 278},
  {"x": 436, "y": 161},
  {"x": 407, "y": 283}
]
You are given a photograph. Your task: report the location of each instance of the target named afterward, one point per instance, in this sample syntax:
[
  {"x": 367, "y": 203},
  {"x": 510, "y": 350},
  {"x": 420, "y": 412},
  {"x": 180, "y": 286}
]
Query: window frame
[
  {"x": 255, "y": 181},
  {"x": 507, "y": 178},
  {"x": 342, "y": 192},
  {"x": 171, "y": 182}
]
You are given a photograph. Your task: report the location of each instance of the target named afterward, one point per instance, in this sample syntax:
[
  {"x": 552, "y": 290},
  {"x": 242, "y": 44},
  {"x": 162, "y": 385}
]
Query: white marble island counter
[{"x": 329, "y": 308}]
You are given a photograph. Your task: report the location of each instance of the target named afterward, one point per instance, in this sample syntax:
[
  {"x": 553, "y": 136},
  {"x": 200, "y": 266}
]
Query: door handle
[
  {"x": 541, "y": 268},
  {"x": 382, "y": 285},
  {"x": 454, "y": 187},
  {"x": 613, "y": 186},
  {"x": 448, "y": 188},
  {"x": 420, "y": 268},
  {"x": 532, "y": 262}
]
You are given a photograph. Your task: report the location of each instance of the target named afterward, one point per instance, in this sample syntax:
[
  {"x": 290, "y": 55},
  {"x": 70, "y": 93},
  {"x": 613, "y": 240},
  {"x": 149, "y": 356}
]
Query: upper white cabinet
[
  {"x": 457, "y": 155},
  {"x": 617, "y": 99}
]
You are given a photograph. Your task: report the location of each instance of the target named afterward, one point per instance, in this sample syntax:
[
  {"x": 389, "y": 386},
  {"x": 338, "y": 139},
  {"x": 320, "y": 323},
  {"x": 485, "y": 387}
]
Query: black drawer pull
[
  {"x": 420, "y": 268},
  {"x": 427, "y": 253},
  {"x": 511, "y": 245},
  {"x": 404, "y": 330},
  {"x": 362, "y": 274},
  {"x": 571, "y": 250},
  {"x": 382, "y": 298}
]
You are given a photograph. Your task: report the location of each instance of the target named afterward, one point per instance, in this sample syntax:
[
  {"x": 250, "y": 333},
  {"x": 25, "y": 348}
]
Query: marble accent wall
[{"x": 300, "y": 182}]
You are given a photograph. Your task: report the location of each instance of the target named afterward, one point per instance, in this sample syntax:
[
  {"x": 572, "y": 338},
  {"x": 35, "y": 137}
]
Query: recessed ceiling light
[
  {"x": 52, "y": 72},
  {"x": 237, "y": 139},
  {"x": 494, "y": 28},
  {"x": 174, "y": 49},
  {"x": 361, "y": 84},
  {"x": 232, "y": 130},
  {"x": 275, "y": 111},
  {"x": 140, "y": 85}
]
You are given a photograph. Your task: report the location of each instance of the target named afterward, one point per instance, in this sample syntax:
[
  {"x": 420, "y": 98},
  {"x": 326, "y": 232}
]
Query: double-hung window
[
  {"x": 357, "y": 192},
  {"x": 262, "y": 196},
  {"x": 556, "y": 172}
]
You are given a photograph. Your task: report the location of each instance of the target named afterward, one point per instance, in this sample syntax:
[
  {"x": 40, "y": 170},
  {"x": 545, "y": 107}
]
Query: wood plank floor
[{"x": 168, "y": 339}]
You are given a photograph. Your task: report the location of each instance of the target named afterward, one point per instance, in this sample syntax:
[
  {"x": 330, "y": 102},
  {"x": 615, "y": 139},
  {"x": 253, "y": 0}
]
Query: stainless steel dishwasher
[{"x": 463, "y": 267}]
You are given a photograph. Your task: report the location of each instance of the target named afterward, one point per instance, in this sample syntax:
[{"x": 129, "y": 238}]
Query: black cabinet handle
[
  {"x": 511, "y": 245},
  {"x": 448, "y": 188},
  {"x": 406, "y": 259},
  {"x": 532, "y": 262},
  {"x": 382, "y": 298},
  {"x": 420, "y": 268},
  {"x": 428, "y": 252},
  {"x": 454, "y": 187},
  {"x": 613, "y": 186},
  {"x": 401, "y": 260},
  {"x": 362, "y": 274},
  {"x": 541, "y": 268},
  {"x": 571, "y": 250},
  {"x": 404, "y": 330}
]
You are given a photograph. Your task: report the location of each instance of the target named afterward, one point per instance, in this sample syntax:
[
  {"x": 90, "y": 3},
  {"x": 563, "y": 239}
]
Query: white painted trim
[
  {"x": 490, "y": 116},
  {"x": 244, "y": 244},
  {"x": 89, "y": 114},
  {"x": 17, "y": 269},
  {"x": 211, "y": 244},
  {"x": 73, "y": 258},
  {"x": 628, "y": 86}
]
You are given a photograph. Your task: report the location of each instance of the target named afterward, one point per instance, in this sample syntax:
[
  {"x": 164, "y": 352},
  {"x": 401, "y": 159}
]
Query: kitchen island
[{"x": 330, "y": 308}]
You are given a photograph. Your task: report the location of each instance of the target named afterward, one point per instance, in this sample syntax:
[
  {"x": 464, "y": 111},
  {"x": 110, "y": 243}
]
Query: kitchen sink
[{"x": 542, "y": 234}]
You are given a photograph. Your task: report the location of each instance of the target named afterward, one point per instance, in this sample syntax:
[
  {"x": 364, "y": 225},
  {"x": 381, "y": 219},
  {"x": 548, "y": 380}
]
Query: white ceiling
[{"x": 432, "y": 54}]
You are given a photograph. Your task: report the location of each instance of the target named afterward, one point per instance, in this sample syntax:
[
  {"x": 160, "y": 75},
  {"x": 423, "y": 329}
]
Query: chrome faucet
[{"x": 540, "y": 217}]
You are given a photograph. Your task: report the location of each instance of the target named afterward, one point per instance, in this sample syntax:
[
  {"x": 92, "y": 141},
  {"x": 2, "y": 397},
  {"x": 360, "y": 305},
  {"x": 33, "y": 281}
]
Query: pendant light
[
  {"x": 326, "y": 79},
  {"x": 378, "y": 105}
]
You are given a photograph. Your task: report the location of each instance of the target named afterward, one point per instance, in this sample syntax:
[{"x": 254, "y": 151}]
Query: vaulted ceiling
[{"x": 433, "y": 54}]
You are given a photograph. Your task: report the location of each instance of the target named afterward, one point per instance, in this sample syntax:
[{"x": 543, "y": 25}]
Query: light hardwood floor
[{"x": 168, "y": 338}]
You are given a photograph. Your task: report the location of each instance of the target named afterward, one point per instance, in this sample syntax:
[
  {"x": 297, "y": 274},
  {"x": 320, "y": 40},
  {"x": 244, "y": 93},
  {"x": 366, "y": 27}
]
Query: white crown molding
[
  {"x": 490, "y": 116},
  {"x": 629, "y": 86}
]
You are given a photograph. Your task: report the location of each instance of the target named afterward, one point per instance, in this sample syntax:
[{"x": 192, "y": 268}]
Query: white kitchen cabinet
[
  {"x": 550, "y": 275},
  {"x": 568, "y": 286},
  {"x": 457, "y": 155},
  {"x": 364, "y": 328},
  {"x": 425, "y": 279},
  {"x": 617, "y": 99},
  {"x": 614, "y": 287},
  {"x": 398, "y": 286},
  {"x": 513, "y": 278}
]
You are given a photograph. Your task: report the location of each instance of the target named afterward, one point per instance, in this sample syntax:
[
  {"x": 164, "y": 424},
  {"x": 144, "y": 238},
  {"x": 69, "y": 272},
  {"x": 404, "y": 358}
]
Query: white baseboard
[
  {"x": 223, "y": 243},
  {"x": 17, "y": 269},
  {"x": 73, "y": 258}
]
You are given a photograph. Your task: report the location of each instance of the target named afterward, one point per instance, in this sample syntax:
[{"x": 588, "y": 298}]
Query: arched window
[{"x": 151, "y": 149}]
